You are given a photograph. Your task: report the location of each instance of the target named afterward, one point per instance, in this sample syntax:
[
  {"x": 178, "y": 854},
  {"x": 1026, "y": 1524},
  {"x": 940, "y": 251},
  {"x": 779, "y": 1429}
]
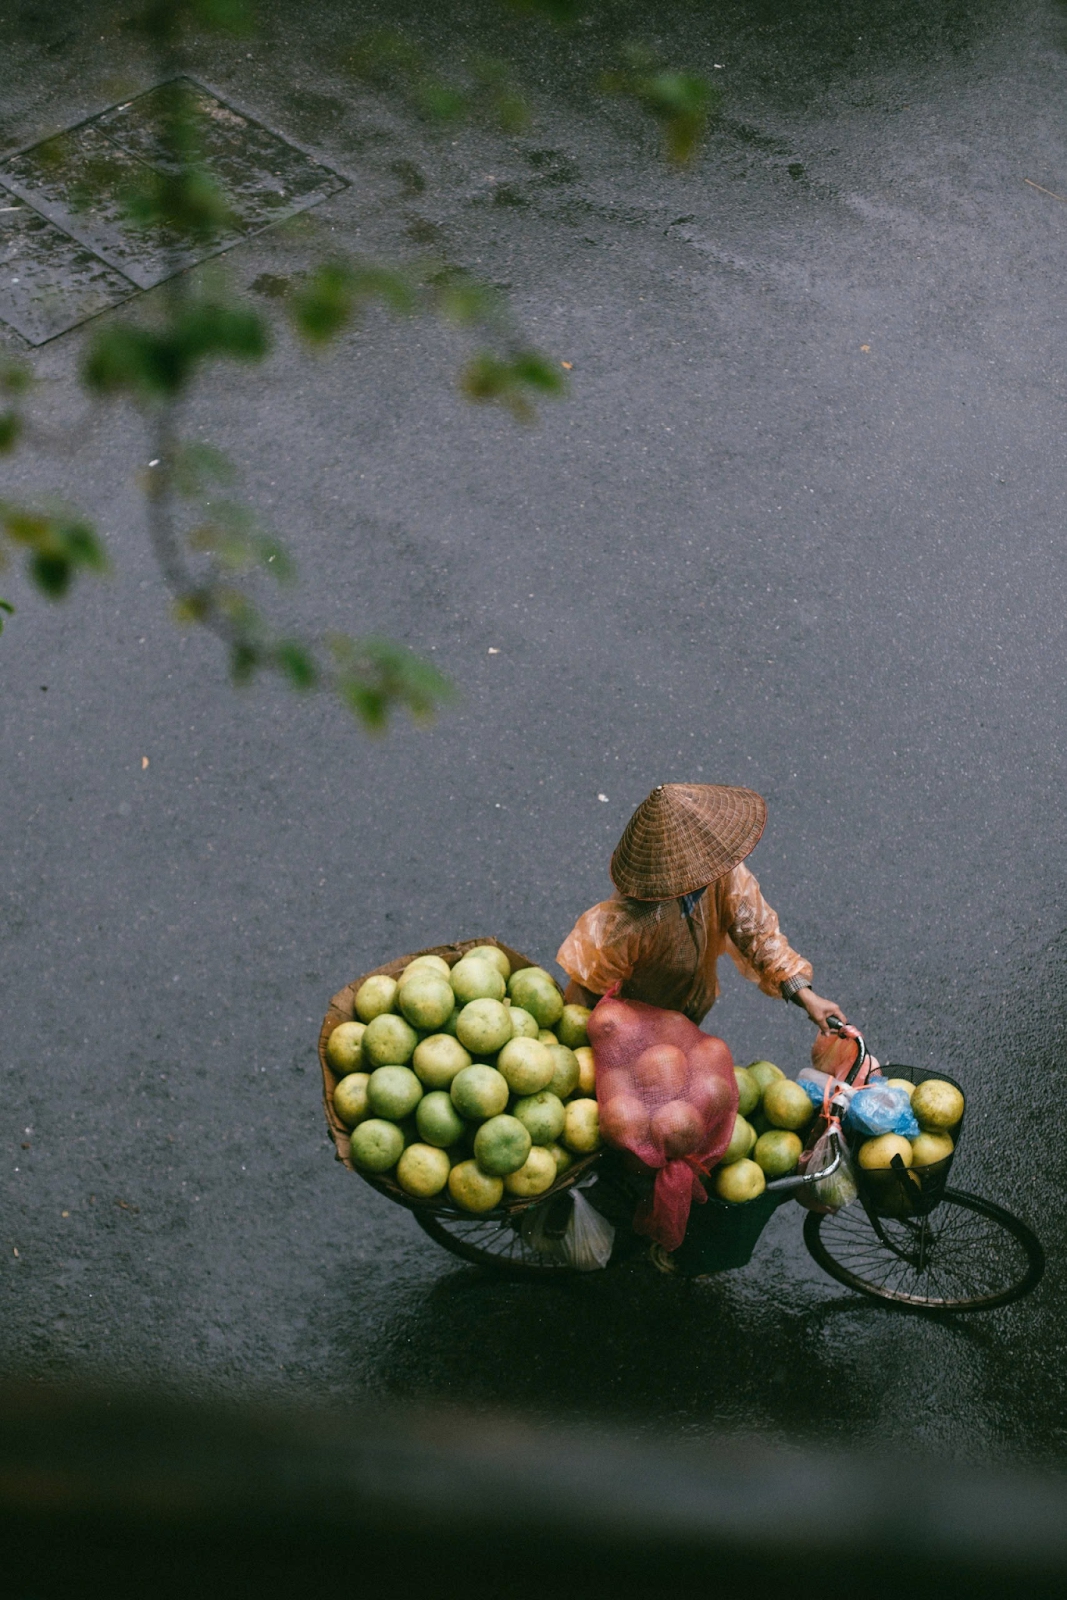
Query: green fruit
[
  {"x": 393, "y": 1092},
  {"x": 741, "y": 1141},
  {"x": 527, "y": 1065},
  {"x": 375, "y": 996},
  {"x": 937, "y": 1105},
  {"x": 786, "y": 1105},
  {"x": 546, "y": 1036},
  {"x": 477, "y": 980},
  {"x": 495, "y": 956},
  {"x": 542, "y": 1115},
  {"x": 581, "y": 1126},
  {"x": 434, "y": 963},
  {"x": 426, "y": 1000},
  {"x": 742, "y": 1180},
  {"x": 350, "y": 1098},
  {"x": 902, "y": 1083},
  {"x": 748, "y": 1091},
  {"x": 377, "y": 1145},
  {"x": 438, "y": 1059},
  {"x": 760, "y": 1121},
  {"x": 438, "y": 1121},
  {"x": 483, "y": 1027},
  {"x": 423, "y": 1170},
  {"x": 764, "y": 1073},
  {"x": 536, "y": 991},
  {"x": 537, "y": 1174},
  {"x": 560, "y": 1156},
  {"x": 450, "y": 1025},
  {"x": 523, "y": 1026},
  {"x": 389, "y": 1041},
  {"x": 586, "y": 1070},
  {"x": 472, "y": 1189},
  {"x": 927, "y": 1149},
  {"x": 565, "y": 1070},
  {"x": 571, "y": 1028},
  {"x": 877, "y": 1154},
  {"x": 777, "y": 1153},
  {"x": 343, "y": 1050},
  {"x": 501, "y": 1145},
  {"x": 479, "y": 1092}
]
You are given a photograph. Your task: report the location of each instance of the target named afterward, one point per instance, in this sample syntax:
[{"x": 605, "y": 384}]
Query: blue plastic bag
[{"x": 881, "y": 1109}]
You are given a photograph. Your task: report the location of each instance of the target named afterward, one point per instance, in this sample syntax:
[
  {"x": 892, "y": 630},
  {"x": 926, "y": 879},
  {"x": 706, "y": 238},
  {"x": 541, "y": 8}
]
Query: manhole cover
[{"x": 67, "y": 250}]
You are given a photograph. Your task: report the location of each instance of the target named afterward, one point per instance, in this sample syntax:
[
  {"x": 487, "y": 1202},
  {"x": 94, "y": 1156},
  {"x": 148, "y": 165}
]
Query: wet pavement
[{"x": 798, "y": 526}]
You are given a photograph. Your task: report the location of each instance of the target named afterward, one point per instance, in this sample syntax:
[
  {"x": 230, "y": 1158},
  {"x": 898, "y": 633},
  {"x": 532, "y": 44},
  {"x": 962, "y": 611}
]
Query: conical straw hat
[{"x": 684, "y": 836}]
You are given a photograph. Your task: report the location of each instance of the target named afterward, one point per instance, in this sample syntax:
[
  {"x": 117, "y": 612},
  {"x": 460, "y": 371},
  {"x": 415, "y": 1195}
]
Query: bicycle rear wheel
[{"x": 966, "y": 1255}]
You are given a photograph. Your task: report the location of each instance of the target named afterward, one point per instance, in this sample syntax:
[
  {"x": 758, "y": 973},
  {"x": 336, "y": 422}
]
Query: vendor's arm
[
  {"x": 600, "y": 950},
  {"x": 763, "y": 953}
]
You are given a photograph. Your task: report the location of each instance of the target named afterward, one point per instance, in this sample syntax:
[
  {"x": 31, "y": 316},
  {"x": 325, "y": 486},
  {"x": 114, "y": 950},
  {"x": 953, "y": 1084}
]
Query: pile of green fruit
[
  {"x": 773, "y": 1113},
  {"x": 937, "y": 1107},
  {"x": 472, "y": 1078}
]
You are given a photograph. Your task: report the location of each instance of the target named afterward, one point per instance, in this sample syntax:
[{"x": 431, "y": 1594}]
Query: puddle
[{"x": 67, "y": 248}]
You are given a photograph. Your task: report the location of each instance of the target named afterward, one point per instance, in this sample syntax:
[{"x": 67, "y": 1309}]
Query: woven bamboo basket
[{"x": 342, "y": 1009}]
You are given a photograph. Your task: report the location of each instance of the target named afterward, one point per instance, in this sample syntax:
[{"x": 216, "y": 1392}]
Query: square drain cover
[{"x": 67, "y": 250}]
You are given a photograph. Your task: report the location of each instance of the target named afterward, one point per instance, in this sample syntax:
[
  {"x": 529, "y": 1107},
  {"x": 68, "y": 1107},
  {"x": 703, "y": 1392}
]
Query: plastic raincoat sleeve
[
  {"x": 758, "y": 946},
  {"x": 602, "y": 948}
]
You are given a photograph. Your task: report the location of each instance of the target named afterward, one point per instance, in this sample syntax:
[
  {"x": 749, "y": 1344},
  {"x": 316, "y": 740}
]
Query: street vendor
[{"x": 683, "y": 897}]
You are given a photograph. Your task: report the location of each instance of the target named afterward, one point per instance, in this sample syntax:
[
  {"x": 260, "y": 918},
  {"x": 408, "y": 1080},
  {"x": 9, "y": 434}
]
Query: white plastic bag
[
  {"x": 839, "y": 1189},
  {"x": 588, "y": 1238}
]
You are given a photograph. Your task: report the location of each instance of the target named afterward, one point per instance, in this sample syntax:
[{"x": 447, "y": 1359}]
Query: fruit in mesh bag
[
  {"x": 711, "y": 1097},
  {"x": 624, "y": 1119},
  {"x": 661, "y": 1070},
  {"x": 937, "y": 1105},
  {"x": 676, "y": 1129}
]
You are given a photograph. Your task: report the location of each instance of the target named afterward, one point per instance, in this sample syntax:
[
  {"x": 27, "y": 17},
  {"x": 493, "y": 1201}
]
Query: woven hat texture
[{"x": 684, "y": 836}]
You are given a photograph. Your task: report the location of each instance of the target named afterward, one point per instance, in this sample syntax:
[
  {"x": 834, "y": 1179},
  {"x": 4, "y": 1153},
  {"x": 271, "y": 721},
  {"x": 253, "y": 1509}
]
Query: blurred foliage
[
  {"x": 559, "y": 12},
  {"x": 158, "y": 363},
  {"x": 388, "y": 59},
  {"x": 58, "y": 544},
  {"x": 681, "y": 102},
  {"x": 374, "y": 675},
  {"x": 511, "y": 380}
]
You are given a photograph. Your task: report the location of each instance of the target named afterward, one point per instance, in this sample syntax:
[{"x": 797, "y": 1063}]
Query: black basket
[{"x": 900, "y": 1191}]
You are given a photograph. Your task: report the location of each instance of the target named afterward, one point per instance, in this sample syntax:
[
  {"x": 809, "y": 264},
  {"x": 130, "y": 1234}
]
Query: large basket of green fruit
[{"x": 455, "y": 1080}]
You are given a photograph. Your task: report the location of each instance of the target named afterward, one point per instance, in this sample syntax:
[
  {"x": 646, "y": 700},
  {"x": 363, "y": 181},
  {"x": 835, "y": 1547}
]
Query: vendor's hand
[{"x": 818, "y": 1009}]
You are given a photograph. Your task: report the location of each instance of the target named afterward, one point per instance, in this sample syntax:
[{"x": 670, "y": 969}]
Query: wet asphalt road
[{"x": 799, "y": 526}]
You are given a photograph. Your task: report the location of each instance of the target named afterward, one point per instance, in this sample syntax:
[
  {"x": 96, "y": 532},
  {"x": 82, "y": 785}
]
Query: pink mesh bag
[{"x": 668, "y": 1095}]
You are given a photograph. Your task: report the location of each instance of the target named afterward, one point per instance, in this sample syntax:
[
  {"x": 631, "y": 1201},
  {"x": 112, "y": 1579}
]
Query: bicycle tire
[
  {"x": 496, "y": 1243},
  {"x": 846, "y": 1245}
]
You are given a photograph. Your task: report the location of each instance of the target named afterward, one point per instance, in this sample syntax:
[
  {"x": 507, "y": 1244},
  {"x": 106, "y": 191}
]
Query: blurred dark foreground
[{"x": 138, "y": 1496}]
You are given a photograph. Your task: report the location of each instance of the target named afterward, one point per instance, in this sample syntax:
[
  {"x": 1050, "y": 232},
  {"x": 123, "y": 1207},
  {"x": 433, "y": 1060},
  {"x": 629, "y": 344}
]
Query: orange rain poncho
[{"x": 666, "y": 957}]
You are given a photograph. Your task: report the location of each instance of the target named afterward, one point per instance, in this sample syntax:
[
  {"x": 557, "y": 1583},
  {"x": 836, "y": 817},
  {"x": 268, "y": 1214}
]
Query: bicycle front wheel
[{"x": 966, "y": 1255}]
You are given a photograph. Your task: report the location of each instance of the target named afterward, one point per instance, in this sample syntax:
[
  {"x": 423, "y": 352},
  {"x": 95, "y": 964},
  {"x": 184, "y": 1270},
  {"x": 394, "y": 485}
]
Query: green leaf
[
  {"x": 378, "y": 676},
  {"x": 15, "y": 377},
  {"x": 505, "y": 380},
  {"x": 297, "y": 664},
  {"x": 10, "y": 430},
  {"x": 197, "y": 465},
  {"x": 58, "y": 543},
  {"x": 680, "y": 101},
  {"x": 154, "y": 364},
  {"x": 339, "y": 291},
  {"x": 5, "y": 605}
]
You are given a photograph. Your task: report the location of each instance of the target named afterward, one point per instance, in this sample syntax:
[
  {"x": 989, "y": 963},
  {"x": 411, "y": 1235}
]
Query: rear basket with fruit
[
  {"x": 342, "y": 1010},
  {"x": 899, "y": 1191}
]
